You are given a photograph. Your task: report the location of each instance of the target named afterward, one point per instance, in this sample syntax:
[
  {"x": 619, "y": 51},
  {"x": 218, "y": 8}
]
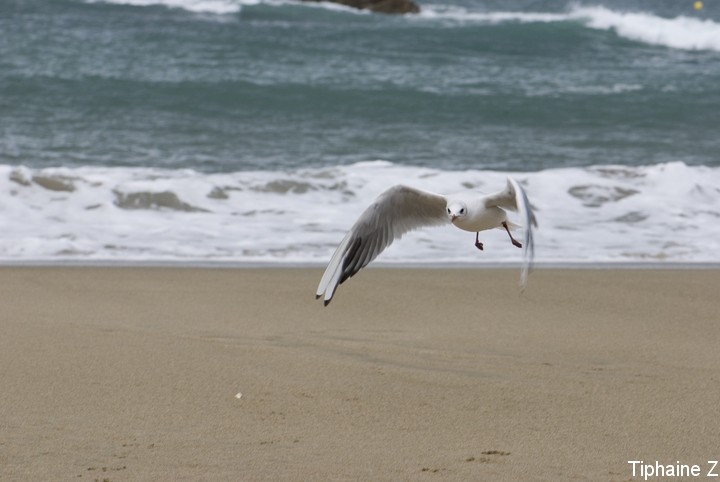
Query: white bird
[{"x": 401, "y": 209}]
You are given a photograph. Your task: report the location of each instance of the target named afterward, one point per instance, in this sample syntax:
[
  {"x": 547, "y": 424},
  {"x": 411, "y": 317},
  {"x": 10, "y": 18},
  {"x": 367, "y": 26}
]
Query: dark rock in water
[
  {"x": 153, "y": 200},
  {"x": 379, "y": 6}
]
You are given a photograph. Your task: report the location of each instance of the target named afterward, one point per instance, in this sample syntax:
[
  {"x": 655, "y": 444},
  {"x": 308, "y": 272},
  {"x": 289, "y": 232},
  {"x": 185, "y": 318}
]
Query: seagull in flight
[{"x": 401, "y": 209}]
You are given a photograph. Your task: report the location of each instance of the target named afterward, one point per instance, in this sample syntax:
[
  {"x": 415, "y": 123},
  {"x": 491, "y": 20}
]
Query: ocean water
[{"x": 258, "y": 130}]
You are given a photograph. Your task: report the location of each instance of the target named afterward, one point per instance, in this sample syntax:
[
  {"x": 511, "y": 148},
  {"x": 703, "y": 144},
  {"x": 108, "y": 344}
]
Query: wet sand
[{"x": 409, "y": 374}]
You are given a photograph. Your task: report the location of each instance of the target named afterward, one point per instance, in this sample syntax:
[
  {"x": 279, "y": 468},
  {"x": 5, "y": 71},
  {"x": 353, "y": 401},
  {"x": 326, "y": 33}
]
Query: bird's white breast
[{"x": 480, "y": 218}]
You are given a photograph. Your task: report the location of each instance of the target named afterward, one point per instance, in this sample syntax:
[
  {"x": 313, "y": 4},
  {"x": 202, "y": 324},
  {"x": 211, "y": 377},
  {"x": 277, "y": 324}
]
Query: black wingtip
[
  {"x": 327, "y": 302},
  {"x": 317, "y": 297}
]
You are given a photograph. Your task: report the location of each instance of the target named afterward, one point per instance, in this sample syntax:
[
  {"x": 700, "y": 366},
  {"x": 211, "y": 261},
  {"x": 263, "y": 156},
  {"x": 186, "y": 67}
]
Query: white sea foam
[
  {"x": 666, "y": 212},
  {"x": 224, "y": 7},
  {"x": 587, "y": 90},
  {"x": 460, "y": 14},
  {"x": 681, "y": 32},
  {"x": 219, "y": 7}
]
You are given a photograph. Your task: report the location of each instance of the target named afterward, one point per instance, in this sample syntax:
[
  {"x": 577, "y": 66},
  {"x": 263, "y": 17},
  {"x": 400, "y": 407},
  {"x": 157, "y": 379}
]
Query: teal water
[{"x": 227, "y": 86}]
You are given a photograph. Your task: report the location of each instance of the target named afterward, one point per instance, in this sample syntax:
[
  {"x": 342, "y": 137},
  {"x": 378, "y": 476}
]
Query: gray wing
[
  {"x": 395, "y": 212},
  {"x": 513, "y": 197}
]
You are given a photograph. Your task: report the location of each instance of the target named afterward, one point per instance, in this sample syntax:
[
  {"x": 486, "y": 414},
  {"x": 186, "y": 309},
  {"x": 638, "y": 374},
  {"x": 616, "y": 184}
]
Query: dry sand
[{"x": 410, "y": 374}]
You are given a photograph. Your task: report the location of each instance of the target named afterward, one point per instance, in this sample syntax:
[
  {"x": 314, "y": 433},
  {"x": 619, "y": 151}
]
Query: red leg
[
  {"x": 514, "y": 241},
  {"x": 478, "y": 244}
]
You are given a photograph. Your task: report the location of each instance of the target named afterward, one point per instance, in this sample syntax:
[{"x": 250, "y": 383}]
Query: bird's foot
[
  {"x": 478, "y": 244},
  {"x": 514, "y": 241}
]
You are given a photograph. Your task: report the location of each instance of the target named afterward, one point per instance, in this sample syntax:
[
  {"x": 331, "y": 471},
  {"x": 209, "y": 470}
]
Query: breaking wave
[
  {"x": 665, "y": 212},
  {"x": 680, "y": 32}
]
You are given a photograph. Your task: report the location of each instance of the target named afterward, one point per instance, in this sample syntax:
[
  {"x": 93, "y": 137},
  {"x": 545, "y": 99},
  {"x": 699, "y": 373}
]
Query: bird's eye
[
  {"x": 462, "y": 211},
  {"x": 448, "y": 209}
]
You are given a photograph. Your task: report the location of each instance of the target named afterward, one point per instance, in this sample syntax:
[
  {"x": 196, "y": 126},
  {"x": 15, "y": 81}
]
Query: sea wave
[
  {"x": 680, "y": 32},
  {"x": 462, "y": 14},
  {"x": 665, "y": 212},
  {"x": 219, "y": 7},
  {"x": 222, "y": 7}
]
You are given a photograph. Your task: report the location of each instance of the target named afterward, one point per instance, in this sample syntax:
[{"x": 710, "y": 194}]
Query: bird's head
[{"x": 455, "y": 210}]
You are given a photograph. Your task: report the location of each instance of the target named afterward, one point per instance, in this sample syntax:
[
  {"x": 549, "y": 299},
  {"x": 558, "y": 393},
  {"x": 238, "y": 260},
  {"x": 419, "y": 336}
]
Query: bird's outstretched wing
[
  {"x": 513, "y": 197},
  {"x": 395, "y": 212}
]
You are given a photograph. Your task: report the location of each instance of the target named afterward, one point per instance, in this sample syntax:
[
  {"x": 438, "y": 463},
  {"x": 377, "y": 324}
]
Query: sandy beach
[{"x": 410, "y": 374}]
